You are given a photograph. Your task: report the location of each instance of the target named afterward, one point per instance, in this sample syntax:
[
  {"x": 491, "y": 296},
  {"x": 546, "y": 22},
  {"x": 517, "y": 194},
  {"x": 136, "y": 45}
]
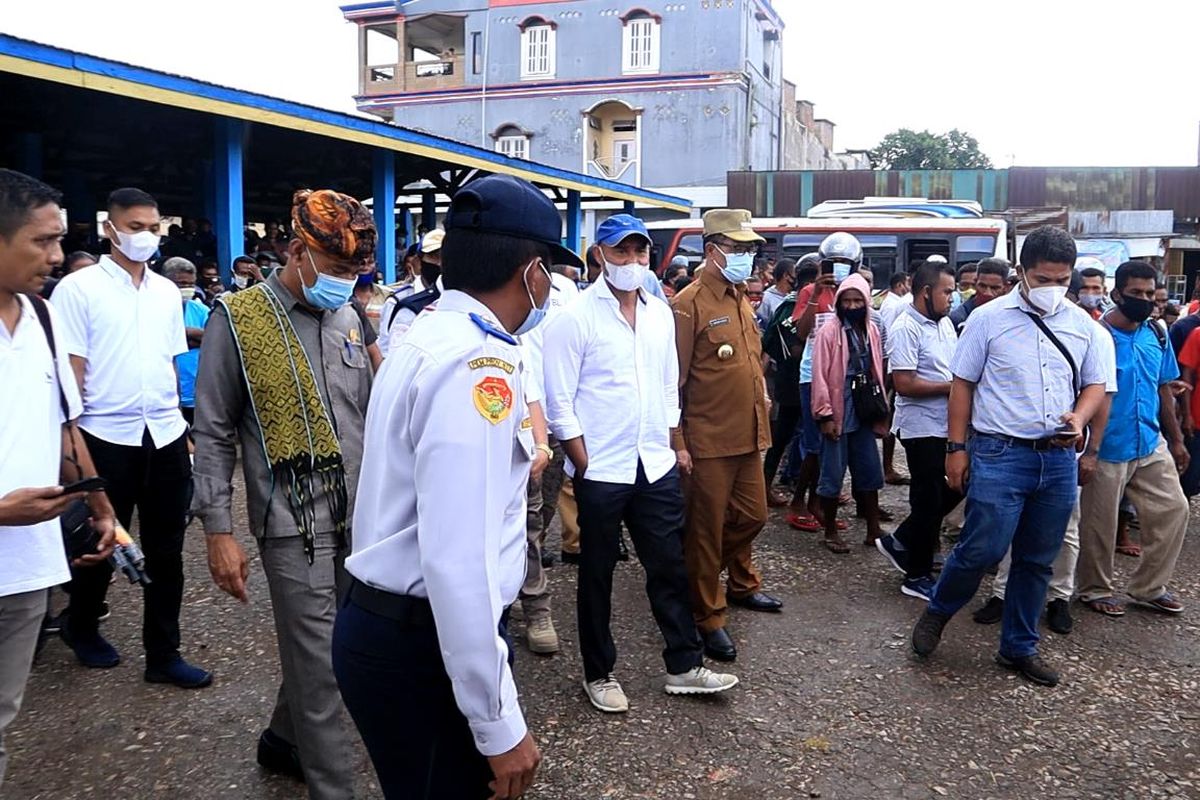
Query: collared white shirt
[
  {"x": 129, "y": 337},
  {"x": 616, "y": 386},
  {"x": 31, "y": 556},
  {"x": 532, "y": 342},
  {"x": 564, "y": 290},
  {"x": 403, "y": 319},
  {"x": 1023, "y": 384},
  {"x": 891, "y": 308},
  {"x": 924, "y": 347},
  {"x": 441, "y": 499}
]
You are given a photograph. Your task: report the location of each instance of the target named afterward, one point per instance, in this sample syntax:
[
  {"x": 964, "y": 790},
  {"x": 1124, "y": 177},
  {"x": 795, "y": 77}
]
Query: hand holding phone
[{"x": 92, "y": 484}]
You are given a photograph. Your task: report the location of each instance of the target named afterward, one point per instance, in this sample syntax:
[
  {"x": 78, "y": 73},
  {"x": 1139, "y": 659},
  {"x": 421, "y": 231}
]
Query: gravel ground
[{"x": 831, "y": 704}]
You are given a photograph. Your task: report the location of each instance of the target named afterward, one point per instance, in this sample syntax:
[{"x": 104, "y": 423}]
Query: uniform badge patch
[
  {"x": 712, "y": 323},
  {"x": 353, "y": 336},
  {"x": 490, "y": 361},
  {"x": 493, "y": 399},
  {"x": 527, "y": 423}
]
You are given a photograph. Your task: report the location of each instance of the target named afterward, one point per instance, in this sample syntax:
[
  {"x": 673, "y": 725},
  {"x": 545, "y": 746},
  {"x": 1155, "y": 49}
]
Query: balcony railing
[
  {"x": 625, "y": 171},
  {"x": 413, "y": 76}
]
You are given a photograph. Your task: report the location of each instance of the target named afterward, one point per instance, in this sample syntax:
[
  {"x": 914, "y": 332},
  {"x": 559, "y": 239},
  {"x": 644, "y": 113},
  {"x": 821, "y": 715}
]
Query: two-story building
[{"x": 654, "y": 93}]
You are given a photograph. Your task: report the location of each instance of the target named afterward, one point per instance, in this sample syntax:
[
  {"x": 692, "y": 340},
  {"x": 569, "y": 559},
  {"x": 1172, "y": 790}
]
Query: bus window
[
  {"x": 796, "y": 245},
  {"x": 973, "y": 248},
  {"x": 692, "y": 247},
  {"x": 917, "y": 250}
]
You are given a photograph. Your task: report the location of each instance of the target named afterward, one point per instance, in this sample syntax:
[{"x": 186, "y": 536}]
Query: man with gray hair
[{"x": 195, "y": 316}]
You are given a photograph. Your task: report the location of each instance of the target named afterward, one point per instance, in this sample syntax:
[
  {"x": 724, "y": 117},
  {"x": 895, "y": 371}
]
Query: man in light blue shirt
[
  {"x": 1030, "y": 371},
  {"x": 195, "y": 317},
  {"x": 1140, "y": 457}
]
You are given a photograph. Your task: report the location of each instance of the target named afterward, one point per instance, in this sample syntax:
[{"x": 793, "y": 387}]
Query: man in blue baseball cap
[
  {"x": 422, "y": 627},
  {"x": 618, "y": 241}
]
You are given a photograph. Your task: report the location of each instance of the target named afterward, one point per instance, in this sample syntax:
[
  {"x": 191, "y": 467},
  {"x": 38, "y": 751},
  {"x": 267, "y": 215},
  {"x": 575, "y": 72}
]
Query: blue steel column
[
  {"x": 629, "y": 207},
  {"x": 429, "y": 210},
  {"x": 384, "y": 184},
  {"x": 574, "y": 221},
  {"x": 30, "y": 154},
  {"x": 410, "y": 232},
  {"x": 229, "y": 224}
]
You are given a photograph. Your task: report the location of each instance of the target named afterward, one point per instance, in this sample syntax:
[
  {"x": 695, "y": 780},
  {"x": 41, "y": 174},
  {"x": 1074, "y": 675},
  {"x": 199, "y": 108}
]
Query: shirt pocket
[{"x": 354, "y": 354}]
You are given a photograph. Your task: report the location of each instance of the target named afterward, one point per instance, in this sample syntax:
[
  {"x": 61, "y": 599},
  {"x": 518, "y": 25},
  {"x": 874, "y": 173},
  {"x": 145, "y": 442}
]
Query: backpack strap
[{"x": 42, "y": 311}]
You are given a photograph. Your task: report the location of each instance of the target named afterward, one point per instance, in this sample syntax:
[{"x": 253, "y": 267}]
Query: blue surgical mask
[
  {"x": 738, "y": 266},
  {"x": 841, "y": 271},
  {"x": 328, "y": 292},
  {"x": 536, "y": 313}
]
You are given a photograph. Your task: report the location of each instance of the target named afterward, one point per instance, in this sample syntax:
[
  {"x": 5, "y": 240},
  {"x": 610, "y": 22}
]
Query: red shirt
[
  {"x": 1189, "y": 357},
  {"x": 824, "y": 301}
]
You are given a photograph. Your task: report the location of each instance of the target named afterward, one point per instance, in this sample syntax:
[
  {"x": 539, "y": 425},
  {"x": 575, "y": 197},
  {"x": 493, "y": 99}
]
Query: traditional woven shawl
[{"x": 298, "y": 439}]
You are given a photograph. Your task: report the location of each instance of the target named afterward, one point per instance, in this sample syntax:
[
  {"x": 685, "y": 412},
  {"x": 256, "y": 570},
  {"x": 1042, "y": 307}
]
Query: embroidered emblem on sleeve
[{"x": 493, "y": 399}]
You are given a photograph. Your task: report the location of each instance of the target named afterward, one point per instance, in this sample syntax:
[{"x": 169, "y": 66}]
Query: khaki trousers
[
  {"x": 1152, "y": 485},
  {"x": 726, "y": 508},
  {"x": 568, "y": 512}
]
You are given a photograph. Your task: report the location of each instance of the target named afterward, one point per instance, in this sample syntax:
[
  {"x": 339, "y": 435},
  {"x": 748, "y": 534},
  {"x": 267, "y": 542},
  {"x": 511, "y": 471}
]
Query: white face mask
[
  {"x": 139, "y": 247},
  {"x": 241, "y": 281},
  {"x": 625, "y": 277},
  {"x": 187, "y": 292},
  {"x": 1046, "y": 299}
]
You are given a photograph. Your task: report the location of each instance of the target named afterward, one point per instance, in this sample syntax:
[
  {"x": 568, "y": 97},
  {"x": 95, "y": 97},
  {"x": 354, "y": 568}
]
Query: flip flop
[
  {"x": 836, "y": 546},
  {"x": 804, "y": 522},
  {"x": 1108, "y": 606}
]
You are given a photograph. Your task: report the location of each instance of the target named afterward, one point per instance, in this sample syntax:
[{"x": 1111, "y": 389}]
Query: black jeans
[
  {"x": 394, "y": 684},
  {"x": 781, "y": 438},
  {"x": 653, "y": 513},
  {"x": 158, "y": 483},
  {"x": 930, "y": 500}
]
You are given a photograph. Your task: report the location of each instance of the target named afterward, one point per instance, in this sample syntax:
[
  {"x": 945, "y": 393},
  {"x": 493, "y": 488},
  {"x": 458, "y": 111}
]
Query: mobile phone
[
  {"x": 1066, "y": 432},
  {"x": 93, "y": 484}
]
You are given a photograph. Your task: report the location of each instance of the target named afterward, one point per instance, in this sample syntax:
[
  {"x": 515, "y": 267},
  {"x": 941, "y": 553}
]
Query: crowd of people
[{"x": 676, "y": 409}]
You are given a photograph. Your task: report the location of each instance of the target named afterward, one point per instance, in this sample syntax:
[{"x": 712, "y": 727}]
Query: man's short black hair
[
  {"x": 899, "y": 279},
  {"x": 806, "y": 274},
  {"x": 1092, "y": 272},
  {"x": 928, "y": 275},
  {"x": 130, "y": 198},
  {"x": 478, "y": 261},
  {"x": 782, "y": 268},
  {"x": 994, "y": 266},
  {"x": 77, "y": 256},
  {"x": 1136, "y": 270},
  {"x": 245, "y": 260},
  {"x": 1048, "y": 244},
  {"x": 682, "y": 282},
  {"x": 972, "y": 266},
  {"x": 20, "y": 196}
]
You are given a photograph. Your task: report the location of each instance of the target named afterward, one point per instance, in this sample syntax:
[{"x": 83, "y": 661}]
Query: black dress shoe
[
  {"x": 718, "y": 646},
  {"x": 1031, "y": 668},
  {"x": 276, "y": 754},
  {"x": 547, "y": 559},
  {"x": 569, "y": 558},
  {"x": 757, "y": 602}
]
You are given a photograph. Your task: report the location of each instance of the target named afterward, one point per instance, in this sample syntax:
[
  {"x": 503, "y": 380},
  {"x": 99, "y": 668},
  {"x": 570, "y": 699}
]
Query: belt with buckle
[
  {"x": 410, "y": 611},
  {"x": 1041, "y": 445}
]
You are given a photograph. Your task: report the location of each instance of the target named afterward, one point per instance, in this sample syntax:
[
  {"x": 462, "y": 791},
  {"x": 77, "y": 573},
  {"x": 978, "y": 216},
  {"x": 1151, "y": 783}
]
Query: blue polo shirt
[
  {"x": 1143, "y": 365},
  {"x": 195, "y": 315}
]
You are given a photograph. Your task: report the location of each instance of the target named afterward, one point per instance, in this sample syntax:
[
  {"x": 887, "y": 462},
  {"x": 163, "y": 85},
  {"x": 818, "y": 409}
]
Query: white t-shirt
[{"x": 32, "y": 556}]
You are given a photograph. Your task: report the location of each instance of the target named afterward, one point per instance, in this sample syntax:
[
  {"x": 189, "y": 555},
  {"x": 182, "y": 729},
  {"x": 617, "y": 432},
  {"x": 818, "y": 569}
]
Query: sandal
[
  {"x": 1131, "y": 549},
  {"x": 836, "y": 546},
  {"x": 1108, "y": 606},
  {"x": 897, "y": 479},
  {"x": 804, "y": 522}
]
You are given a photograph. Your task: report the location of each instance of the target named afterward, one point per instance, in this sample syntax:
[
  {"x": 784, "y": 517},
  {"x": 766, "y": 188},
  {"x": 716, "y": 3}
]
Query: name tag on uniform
[
  {"x": 490, "y": 361},
  {"x": 712, "y": 323}
]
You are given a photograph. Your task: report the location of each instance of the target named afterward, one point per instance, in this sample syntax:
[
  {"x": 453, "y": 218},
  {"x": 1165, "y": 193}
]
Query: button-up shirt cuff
[
  {"x": 566, "y": 429},
  {"x": 498, "y": 736}
]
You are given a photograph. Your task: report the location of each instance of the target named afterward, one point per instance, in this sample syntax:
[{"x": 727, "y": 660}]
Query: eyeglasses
[{"x": 732, "y": 248}]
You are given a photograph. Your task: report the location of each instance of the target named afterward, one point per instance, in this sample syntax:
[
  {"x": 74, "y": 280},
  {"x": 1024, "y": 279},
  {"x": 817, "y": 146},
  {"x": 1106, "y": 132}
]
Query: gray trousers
[
  {"x": 308, "y": 710},
  {"x": 542, "y": 501},
  {"x": 20, "y": 621}
]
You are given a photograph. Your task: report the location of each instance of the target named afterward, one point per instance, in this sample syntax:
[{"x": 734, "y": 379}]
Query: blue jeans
[
  {"x": 810, "y": 434},
  {"x": 856, "y": 450},
  {"x": 1018, "y": 497}
]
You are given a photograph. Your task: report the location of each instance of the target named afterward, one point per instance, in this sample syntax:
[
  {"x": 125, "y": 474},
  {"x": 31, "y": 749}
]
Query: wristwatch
[
  {"x": 545, "y": 448},
  {"x": 956, "y": 447}
]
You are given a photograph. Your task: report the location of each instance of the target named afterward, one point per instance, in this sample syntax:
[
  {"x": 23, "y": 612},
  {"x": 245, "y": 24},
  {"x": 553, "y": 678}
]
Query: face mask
[
  {"x": 139, "y": 247},
  {"x": 365, "y": 281},
  {"x": 1135, "y": 309},
  {"x": 934, "y": 314},
  {"x": 738, "y": 266},
  {"x": 241, "y": 281},
  {"x": 430, "y": 272},
  {"x": 187, "y": 292},
  {"x": 328, "y": 292},
  {"x": 855, "y": 316},
  {"x": 966, "y": 294},
  {"x": 536, "y": 313},
  {"x": 841, "y": 271},
  {"x": 1091, "y": 301},
  {"x": 1046, "y": 299},
  {"x": 625, "y": 277}
]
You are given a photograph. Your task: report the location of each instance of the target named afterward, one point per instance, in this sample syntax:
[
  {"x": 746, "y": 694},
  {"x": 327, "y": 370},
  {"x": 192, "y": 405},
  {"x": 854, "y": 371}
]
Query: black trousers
[
  {"x": 786, "y": 422},
  {"x": 157, "y": 482},
  {"x": 394, "y": 684},
  {"x": 930, "y": 500},
  {"x": 653, "y": 513}
]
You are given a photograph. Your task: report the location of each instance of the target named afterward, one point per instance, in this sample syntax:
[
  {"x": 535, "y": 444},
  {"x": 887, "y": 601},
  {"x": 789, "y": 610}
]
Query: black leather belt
[
  {"x": 1033, "y": 444},
  {"x": 412, "y": 612}
]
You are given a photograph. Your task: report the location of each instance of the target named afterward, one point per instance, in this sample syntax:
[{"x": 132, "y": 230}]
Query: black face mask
[
  {"x": 933, "y": 313},
  {"x": 855, "y": 316},
  {"x": 1135, "y": 309},
  {"x": 430, "y": 272}
]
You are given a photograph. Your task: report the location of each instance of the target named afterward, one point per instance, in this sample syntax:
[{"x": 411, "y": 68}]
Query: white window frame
[
  {"x": 640, "y": 46},
  {"x": 537, "y": 51},
  {"x": 513, "y": 146}
]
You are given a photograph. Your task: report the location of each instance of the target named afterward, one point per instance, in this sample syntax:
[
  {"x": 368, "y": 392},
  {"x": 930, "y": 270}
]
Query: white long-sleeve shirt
[
  {"x": 616, "y": 386},
  {"x": 441, "y": 498}
]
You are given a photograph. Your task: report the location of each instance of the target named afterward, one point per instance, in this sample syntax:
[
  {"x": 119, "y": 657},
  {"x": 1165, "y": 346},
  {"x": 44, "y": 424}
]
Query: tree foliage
[{"x": 909, "y": 149}]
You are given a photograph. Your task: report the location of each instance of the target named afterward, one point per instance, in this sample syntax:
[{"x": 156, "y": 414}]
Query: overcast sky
[{"x": 1038, "y": 82}]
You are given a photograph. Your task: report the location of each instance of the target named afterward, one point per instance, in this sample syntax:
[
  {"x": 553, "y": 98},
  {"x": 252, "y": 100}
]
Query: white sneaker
[
  {"x": 700, "y": 680},
  {"x": 606, "y": 694},
  {"x": 541, "y": 636}
]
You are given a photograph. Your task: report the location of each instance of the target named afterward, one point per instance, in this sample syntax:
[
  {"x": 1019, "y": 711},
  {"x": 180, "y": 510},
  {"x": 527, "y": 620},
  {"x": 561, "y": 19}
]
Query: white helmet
[{"x": 841, "y": 246}]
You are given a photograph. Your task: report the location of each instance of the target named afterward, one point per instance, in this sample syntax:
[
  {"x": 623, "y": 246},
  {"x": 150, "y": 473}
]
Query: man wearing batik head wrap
[{"x": 284, "y": 373}]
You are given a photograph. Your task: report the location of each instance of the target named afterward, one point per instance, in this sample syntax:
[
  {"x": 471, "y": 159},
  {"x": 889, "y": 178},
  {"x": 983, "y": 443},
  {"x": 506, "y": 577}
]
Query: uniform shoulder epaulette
[{"x": 492, "y": 330}]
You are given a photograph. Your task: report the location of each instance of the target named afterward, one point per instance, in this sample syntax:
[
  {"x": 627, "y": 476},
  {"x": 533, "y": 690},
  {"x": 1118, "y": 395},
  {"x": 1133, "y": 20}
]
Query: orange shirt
[{"x": 722, "y": 392}]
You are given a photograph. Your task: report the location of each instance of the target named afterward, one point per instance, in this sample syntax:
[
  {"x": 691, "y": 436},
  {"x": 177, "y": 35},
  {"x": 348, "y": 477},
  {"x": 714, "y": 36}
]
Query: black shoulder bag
[{"x": 870, "y": 401}]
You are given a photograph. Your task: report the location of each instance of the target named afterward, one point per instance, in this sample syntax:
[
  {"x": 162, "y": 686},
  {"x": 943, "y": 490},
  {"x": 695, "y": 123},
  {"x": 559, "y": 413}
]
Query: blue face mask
[
  {"x": 536, "y": 313},
  {"x": 841, "y": 271},
  {"x": 738, "y": 266},
  {"x": 328, "y": 292}
]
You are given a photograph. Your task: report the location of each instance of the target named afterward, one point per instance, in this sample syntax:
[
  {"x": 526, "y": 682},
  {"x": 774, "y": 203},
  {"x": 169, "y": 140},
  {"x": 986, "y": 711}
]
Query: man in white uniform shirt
[
  {"x": 124, "y": 327},
  {"x": 439, "y": 550},
  {"x": 40, "y": 397},
  {"x": 402, "y": 307},
  {"x": 612, "y": 378}
]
